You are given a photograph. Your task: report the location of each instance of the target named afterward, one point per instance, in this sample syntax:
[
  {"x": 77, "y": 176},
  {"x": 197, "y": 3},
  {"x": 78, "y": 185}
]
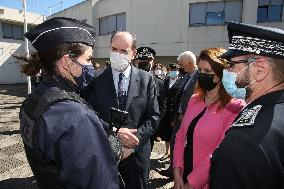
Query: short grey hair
[{"x": 190, "y": 55}]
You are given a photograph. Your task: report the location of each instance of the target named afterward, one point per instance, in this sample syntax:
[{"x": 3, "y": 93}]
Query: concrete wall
[
  {"x": 15, "y": 15},
  {"x": 80, "y": 11},
  {"x": 10, "y": 70},
  {"x": 162, "y": 25},
  {"x": 155, "y": 23}
]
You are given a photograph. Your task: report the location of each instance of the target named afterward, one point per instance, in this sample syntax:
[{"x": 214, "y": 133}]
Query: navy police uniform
[
  {"x": 251, "y": 155},
  {"x": 64, "y": 140},
  {"x": 67, "y": 146}
]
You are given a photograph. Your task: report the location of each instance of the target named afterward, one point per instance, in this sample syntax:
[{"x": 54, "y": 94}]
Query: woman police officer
[{"x": 64, "y": 140}]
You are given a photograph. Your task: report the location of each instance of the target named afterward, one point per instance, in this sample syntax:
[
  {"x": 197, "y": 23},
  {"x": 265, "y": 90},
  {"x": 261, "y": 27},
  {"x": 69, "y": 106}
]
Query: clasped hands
[{"x": 129, "y": 141}]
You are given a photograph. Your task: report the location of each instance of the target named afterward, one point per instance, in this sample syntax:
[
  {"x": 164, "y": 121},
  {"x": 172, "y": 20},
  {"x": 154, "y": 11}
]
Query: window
[
  {"x": 30, "y": 27},
  {"x": 234, "y": 11},
  {"x": 270, "y": 10},
  {"x": 197, "y": 14},
  {"x": 18, "y": 32},
  {"x": 121, "y": 22},
  {"x": 111, "y": 24},
  {"x": 103, "y": 26},
  {"x": 11, "y": 31},
  {"x": 215, "y": 13}
]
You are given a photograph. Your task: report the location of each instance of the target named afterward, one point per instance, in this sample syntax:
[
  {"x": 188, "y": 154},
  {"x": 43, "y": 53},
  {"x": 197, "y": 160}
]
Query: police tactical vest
[{"x": 45, "y": 172}]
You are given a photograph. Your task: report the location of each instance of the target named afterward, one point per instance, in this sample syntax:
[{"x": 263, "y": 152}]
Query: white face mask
[{"x": 119, "y": 62}]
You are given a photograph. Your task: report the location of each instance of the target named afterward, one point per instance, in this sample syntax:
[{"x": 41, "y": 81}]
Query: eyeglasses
[{"x": 249, "y": 60}]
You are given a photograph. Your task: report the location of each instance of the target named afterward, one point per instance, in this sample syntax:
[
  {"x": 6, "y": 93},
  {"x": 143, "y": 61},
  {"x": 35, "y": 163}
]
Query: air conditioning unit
[{"x": 1, "y": 11}]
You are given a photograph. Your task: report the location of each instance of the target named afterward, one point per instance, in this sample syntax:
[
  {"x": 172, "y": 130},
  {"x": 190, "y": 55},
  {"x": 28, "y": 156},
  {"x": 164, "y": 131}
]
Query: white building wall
[
  {"x": 10, "y": 70},
  {"x": 79, "y": 11},
  {"x": 162, "y": 25},
  {"x": 154, "y": 23}
]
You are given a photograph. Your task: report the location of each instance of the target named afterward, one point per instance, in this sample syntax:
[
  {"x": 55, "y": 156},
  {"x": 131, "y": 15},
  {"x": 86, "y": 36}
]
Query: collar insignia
[{"x": 247, "y": 117}]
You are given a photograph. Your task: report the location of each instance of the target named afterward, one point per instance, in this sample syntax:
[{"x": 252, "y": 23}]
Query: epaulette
[{"x": 247, "y": 117}]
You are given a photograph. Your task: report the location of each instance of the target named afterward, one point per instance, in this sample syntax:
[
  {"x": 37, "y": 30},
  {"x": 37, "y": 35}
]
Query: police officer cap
[
  {"x": 251, "y": 39},
  {"x": 174, "y": 66},
  {"x": 145, "y": 53},
  {"x": 60, "y": 30}
]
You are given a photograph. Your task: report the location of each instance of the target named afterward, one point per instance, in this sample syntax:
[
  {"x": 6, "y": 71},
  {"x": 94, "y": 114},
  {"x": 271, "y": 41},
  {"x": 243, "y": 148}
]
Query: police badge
[{"x": 247, "y": 117}]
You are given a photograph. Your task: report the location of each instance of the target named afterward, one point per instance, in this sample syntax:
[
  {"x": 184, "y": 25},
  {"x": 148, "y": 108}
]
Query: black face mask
[
  {"x": 144, "y": 66},
  {"x": 205, "y": 81},
  {"x": 181, "y": 71}
]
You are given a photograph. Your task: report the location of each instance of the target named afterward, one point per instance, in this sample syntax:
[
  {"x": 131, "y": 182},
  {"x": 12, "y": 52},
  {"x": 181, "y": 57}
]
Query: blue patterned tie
[{"x": 122, "y": 96}]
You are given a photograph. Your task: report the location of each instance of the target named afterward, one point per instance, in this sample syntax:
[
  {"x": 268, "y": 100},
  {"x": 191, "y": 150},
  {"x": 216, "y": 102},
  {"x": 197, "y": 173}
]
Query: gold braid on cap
[{"x": 215, "y": 53}]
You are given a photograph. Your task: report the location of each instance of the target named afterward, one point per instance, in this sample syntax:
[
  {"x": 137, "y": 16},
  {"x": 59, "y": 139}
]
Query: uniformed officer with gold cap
[
  {"x": 65, "y": 142},
  {"x": 251, "y": 155}
]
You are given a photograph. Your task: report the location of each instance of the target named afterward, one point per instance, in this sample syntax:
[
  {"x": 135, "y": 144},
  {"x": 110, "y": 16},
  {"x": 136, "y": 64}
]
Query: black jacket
[
  {"x": 252, "y": 153},
  {"x": 161, "y": 92}
]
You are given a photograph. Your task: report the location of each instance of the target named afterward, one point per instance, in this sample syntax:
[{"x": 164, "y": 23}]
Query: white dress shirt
[{"x": 172, "y": 82}]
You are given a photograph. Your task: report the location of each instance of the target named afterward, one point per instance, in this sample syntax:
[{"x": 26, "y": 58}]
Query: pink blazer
[{"x": 208, "y": 133}]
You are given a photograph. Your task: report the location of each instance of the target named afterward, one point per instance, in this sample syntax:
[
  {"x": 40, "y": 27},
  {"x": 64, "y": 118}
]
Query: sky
[{"x": 40, "y": 6}]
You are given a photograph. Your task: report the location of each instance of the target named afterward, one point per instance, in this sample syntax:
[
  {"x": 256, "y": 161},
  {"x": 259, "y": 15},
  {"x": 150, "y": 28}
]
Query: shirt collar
[{"x": 126, "y": 72}]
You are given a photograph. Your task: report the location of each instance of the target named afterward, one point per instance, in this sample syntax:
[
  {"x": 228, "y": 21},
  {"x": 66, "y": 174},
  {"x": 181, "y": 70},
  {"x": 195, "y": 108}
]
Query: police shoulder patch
[{"x": 247, "y": 117}]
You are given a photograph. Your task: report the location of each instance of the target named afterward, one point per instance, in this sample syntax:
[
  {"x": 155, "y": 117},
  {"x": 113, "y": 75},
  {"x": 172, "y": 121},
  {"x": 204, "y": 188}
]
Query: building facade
[
  {"x": 12, "y": 41},
  {"x": 171, "y": 27},
  {"x": 82, "y": 11}
]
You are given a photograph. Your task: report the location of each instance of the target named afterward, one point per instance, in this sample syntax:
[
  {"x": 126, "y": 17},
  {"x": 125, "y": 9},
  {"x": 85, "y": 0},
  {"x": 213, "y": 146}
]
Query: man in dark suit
[
  {"x": 185, "y": 86},
  {"x": 165, "y": 128},
  {"x": 144, "y": 60},
  {"x": 133, "y": 90}
]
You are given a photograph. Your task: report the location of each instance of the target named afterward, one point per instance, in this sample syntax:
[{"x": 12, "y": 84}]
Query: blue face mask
[
  {"x": 173, "y": 74},
  {"x": 86, "y": 77},
  {"x": 229, "y": 83}
]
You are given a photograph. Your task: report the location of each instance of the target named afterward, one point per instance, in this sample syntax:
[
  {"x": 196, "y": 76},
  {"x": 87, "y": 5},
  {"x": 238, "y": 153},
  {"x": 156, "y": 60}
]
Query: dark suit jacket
[
  {"x": 141, "y": 105},
  {"x": 161, "y": 92},
  {"x": 165, "y": 128},
  {"x": 188, "y": 92},
  {"x": 175, "y": 98}
]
